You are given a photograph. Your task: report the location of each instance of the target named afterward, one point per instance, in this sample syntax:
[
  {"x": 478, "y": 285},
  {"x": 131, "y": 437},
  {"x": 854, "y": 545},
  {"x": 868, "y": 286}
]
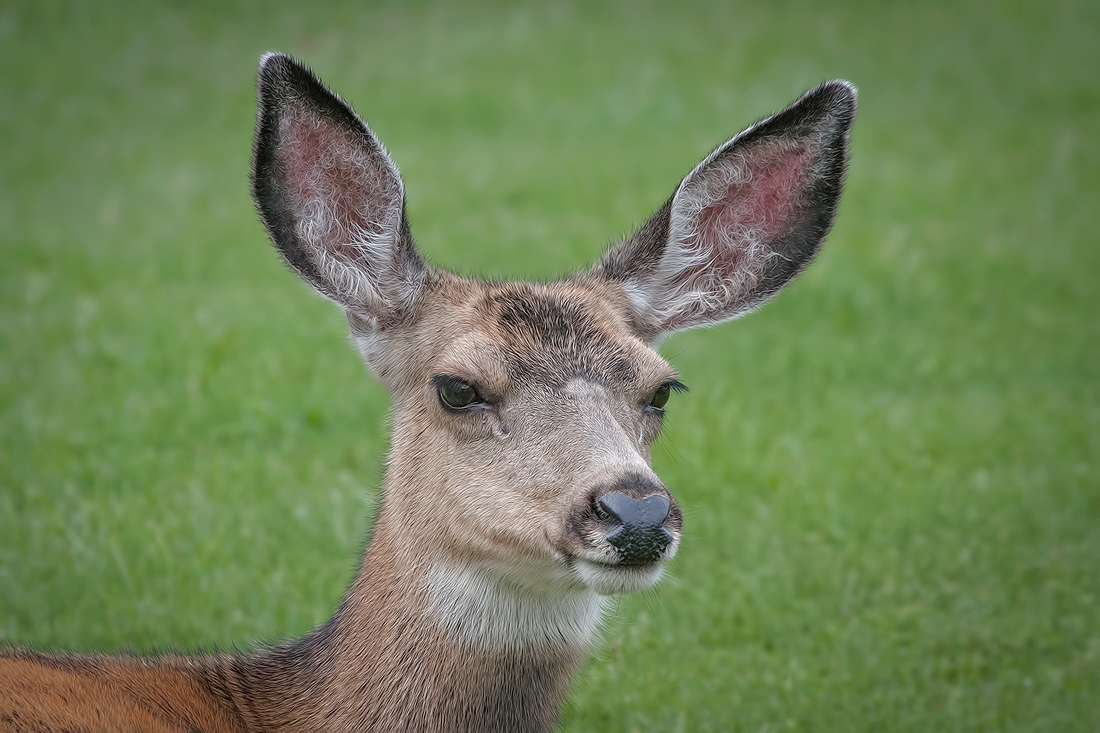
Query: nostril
[
  {"x": 640, "y": 536},
  {"x": 602, "y": 512}
]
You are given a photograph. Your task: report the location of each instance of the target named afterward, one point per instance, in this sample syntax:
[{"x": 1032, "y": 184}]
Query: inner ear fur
[
  {"x": 743, "y": 222},
  {"x": 330, "y": 196}
]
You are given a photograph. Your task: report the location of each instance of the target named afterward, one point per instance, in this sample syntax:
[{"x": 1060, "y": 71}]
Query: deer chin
[
  {"x": 493, "y": 606},
  {"x": 611, "y": 580}
]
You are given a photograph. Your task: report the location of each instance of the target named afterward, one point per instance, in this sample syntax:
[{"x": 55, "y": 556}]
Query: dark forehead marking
[{"x": 555, "y": 337}]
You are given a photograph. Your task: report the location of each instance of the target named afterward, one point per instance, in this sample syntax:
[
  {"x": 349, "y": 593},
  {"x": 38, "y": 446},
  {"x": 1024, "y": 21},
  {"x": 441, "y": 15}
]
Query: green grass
[{"x": 890, "y": 476}]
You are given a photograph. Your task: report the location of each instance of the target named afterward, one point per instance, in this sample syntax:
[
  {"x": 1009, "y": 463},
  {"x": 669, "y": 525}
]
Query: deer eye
[
  {"x": 456, "y": 393},
  {"x": 659, "y": 397}
]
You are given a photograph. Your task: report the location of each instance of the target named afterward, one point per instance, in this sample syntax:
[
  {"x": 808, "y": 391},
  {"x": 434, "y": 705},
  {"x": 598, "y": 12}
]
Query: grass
[{"x": 891, "y": 475}]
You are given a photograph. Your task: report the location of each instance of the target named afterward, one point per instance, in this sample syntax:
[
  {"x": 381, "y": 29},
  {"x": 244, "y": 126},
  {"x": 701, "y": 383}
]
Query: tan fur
[
  {"x": 507, "y": 519},
  {"x": 529, "y": 481}
]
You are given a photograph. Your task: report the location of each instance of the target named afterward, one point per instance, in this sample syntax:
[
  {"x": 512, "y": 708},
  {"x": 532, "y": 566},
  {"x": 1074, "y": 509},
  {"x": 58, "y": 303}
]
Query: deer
[{"x": 518, "y": 495}]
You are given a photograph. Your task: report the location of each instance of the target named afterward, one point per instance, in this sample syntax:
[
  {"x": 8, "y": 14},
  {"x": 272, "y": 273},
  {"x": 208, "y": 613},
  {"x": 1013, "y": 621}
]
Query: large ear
[
  {"x": 330, "y": 197},
  {"x": 743, "y": 223}
]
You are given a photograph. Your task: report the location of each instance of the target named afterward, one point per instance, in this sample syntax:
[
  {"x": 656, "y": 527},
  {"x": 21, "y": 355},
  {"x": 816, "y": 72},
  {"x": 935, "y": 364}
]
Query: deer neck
[{"x": 420, "y": 645}]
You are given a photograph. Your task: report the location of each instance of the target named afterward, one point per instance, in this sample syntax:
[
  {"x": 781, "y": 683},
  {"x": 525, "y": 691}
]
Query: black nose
[{"x": 641, "y": 536}]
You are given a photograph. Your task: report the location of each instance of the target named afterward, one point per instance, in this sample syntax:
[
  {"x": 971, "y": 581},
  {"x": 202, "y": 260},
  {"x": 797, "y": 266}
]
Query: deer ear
[
  {"x": 743, "y": 223},
  {"x": 330, "y": 197}
]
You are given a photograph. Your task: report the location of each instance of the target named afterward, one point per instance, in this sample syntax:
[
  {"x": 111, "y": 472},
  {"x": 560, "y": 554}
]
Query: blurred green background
[{"x": 890, "y": 476}]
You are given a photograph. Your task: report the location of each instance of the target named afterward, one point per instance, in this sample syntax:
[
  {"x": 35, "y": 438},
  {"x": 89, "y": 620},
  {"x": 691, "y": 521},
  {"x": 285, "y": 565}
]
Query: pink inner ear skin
[
  {"x": 757, "y": 211},
  {"x": 336, "y": 190},
  {"x": 745, "y": 204}
]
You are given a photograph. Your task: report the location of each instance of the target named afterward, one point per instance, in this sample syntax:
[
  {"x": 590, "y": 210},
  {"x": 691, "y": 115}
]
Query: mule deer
[{"x": 518, "y": 493}]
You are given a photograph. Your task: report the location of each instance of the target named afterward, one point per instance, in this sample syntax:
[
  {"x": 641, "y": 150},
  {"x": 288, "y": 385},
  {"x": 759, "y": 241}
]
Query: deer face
[{"x": 525, "y": 414}]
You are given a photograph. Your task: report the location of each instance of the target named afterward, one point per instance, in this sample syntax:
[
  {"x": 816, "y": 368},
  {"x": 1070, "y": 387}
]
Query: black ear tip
[
  {"x": 837, "y": 98},
  {"x": 830, "y": 106},
  {"x": 840, "y": 89},
  {"x": 276, "y": 63},
  {"x": 843, "y": 95},
  {"x": 278, "y": 69}
]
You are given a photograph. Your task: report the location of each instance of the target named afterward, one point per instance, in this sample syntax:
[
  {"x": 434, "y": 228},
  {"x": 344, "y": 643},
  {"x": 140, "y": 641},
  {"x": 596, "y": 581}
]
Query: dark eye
[
  {"x": 659, "y": 398},
  {"x": 457, "y": 394}
]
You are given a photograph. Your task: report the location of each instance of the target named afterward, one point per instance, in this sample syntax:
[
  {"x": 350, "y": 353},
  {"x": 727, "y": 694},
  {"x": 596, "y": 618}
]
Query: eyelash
[{"x": 658, "y": 398}]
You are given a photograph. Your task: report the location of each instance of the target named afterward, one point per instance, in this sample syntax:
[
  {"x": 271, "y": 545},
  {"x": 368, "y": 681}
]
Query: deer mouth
[
  {"x": 617, "y": 578},
  {"x": 610, "y": 552},
  {"x": 605, "y": 569}
]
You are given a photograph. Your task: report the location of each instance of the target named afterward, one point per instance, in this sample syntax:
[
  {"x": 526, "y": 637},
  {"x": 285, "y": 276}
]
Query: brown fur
[
  {"x": 378, "y": 664},
  {"x": 381, "y": 663},
  {"x": 494, "y": 546}
]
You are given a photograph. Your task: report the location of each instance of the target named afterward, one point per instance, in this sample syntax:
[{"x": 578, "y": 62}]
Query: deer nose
[{"x": 640, "y": 536}]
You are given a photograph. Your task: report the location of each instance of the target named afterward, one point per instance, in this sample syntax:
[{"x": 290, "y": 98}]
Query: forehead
[{"x": 556, "y": 333}]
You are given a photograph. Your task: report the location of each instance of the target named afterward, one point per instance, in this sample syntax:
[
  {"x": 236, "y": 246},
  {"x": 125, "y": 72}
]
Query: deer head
[{"x": 524, "y": 414}]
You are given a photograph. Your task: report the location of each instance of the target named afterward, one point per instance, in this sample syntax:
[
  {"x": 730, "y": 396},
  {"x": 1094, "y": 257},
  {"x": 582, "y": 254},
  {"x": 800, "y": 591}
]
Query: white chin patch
[
  {"x": 610, "y": 580},
  {"x": 489, "y": 610}
]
